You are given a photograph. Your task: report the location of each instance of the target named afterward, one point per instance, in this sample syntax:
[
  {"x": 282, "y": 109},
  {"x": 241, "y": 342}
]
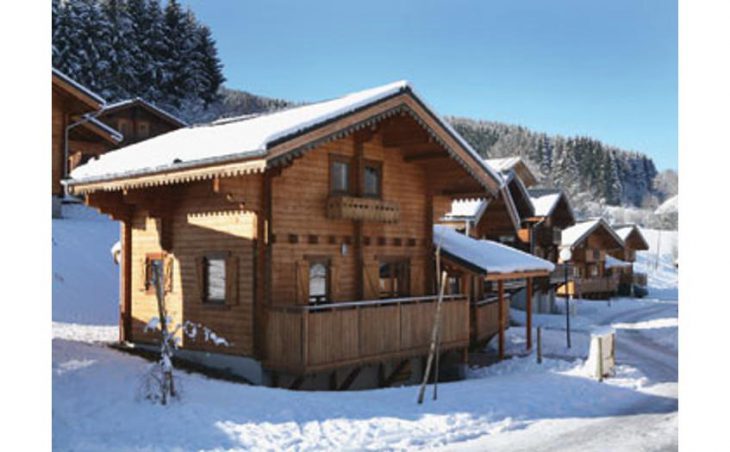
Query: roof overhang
[
  {"x": 285, "y": 149},
  {"x": 82, "y": 94},
  {"x": 141, "y": 103}
]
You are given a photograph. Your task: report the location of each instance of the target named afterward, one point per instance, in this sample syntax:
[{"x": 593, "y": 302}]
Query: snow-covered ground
[{"x": 513, "y": 405}]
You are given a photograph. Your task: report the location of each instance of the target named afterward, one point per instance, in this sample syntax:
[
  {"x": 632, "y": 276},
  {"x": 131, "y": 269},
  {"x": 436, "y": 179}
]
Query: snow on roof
[
  {"x": 575, "y": 234},
  {"x": 138, "y": 100},
  {"x": 623, "y": 231},
  {"x": 239, "y": 139},
  {"x": 503, "y": 164},
  {"x": 612, "y": 262},
  {"x": 489, "y": 256},
  {"x": 97, "y": 98},
  {"x": 545, "y": 203},
  {"x": 469, "y": 208},
  {"x": 671, "y": 205}
]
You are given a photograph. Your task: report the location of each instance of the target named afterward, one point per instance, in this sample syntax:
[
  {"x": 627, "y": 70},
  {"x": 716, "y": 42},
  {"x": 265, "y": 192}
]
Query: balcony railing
[
  {"x": 366, "y": 209},
  {"x": 485, "y": 318},
  {"x": 558, "y": 275},
  {"x": 310, "y": 339}
]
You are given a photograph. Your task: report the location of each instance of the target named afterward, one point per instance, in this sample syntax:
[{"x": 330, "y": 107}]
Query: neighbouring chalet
[
  {"x": 517, "y": 165},
  {"x": 304, "y": 237},
  {"x": 630, "y": 282},
  {"x": 138, "y": 120},
  {"x": 481, "y": 269},
  {"x": 502, "y": 218},
  {"x": 589, "y": 242},
  {"x": 75, "y": 134}
]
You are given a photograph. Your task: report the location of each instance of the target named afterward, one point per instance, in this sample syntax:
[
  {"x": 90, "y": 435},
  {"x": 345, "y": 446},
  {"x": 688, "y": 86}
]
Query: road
[{"x": 649, "y": 425}]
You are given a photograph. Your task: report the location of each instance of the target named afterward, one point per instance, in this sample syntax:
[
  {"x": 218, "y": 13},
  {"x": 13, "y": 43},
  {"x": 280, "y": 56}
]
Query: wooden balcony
[
  {"x": 485, "y": 318},
  {"x": 310, "y": 339},
  {"x": 365, "y": 209},
  {"x": 597, "y": 287},
  {"x": 558, "y": 275}
]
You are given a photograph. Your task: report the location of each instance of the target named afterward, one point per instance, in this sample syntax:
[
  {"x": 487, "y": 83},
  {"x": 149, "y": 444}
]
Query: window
[
  {"x": 154, "y": 266},
  {"x": 214, "y": 279},
  {"x": 453, "y": 285},
  {"x": 124, "y": 127},
  {"x": 372, "y": 179},
  {"x": 318, "y": 282},
  {"x": 340, "y": 175},
  {"x": 394, "y": 281},
  {"x": 143, "y": 130}
]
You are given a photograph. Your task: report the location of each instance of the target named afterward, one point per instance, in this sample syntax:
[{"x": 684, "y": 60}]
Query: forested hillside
[{"x": 586, "y": 168}]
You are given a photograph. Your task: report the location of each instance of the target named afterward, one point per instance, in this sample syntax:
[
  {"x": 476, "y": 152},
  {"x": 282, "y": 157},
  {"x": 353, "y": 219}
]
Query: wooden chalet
[
  {"x": 630, "y": 281},
  {"x": 76, "y": 135},
  {"x": 138, "y": 120},
  {"x": 304, "y": 237},
  {"x": 516, "y": 165},
  {"x": 481, "y": 269},
  {"x": 590, "y": 242}
]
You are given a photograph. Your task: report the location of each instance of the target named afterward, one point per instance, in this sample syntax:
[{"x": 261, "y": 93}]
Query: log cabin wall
[
  {"x": 302, "y": 229},
  {"x": 58, "y": 124},
  {"x": 203, "y": 222},
  {"x": 136, "y": 124}
]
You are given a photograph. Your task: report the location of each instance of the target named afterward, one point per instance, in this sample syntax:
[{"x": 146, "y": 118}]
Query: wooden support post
[
  {"x": 528, "y": 327},
  {"x": 125, "y": 280},
  {"x": 539, "y": 345},
  {"x": 500, "y": 290}
]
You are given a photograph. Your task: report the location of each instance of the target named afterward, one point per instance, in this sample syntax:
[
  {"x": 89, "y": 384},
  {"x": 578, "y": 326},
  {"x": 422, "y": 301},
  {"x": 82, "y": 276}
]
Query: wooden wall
[
  {"x": 202, "y": 222},
  {"x": 58, "y": 124},
  {"x": 299, "y": 200}
]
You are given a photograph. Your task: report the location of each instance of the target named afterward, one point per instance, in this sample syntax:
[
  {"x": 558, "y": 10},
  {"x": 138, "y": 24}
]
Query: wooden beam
[
  {"x": 125, "y": 282},
  {"x": 393, "y": 375},
  {"x": 349, "y": 379},
  {"x": 500, "y": 313},
  {"x": 426, "y": 156},
  {"x": 516, "y": 275},
  {"x": 528, "y": 326}
]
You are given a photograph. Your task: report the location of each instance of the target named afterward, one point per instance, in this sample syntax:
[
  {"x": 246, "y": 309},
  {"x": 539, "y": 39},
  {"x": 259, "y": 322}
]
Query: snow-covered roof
[
  {"x": 575, "y": 234},
  {"x": 514, "y": 164},
  {"x": 468, "y": 209},
  {"x": 84, "y": 90},
  {"x": 671, "y": 205},
  {"x": 486, "y": 255},
  {"x": 242, "y": 138},
  {"x": 612, "y": 262},
  {"x": 504, "y": 164},
  {"x": 545, "y": 204},
  {"x": 625, "y": 230},
  {"x": 144, "y": 104}
]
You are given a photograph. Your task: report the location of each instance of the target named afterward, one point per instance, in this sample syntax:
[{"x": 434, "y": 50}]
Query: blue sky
[{"x": 607, "y": 69}]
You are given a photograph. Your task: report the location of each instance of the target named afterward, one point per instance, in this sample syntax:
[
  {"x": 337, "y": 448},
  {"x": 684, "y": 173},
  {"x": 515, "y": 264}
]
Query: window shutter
[
  {"x": 371, "y": 280},
  {"x": 168, "y": 273},
  {"x": 232, "y": 280},
  {"x": 335, "y": 280},
  {"x": 200, "y": 277},
  {"x": 142, "y": 275},
  {"x": 302, "y": 281}
]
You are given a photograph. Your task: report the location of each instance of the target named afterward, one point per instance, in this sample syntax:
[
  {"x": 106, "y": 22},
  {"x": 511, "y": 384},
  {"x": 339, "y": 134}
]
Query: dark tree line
[
  {"x": 128, "y": 48},
  {"x": 586, "y": 168}
]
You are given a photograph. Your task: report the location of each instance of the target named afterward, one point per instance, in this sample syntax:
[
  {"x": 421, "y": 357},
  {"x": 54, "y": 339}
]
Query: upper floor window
[
  {"x": 372, "y": 179},
  {"x": 124, "y": 126},
  {"x": 143, "y": 130},
  {"x": 340, "y": 174}
]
